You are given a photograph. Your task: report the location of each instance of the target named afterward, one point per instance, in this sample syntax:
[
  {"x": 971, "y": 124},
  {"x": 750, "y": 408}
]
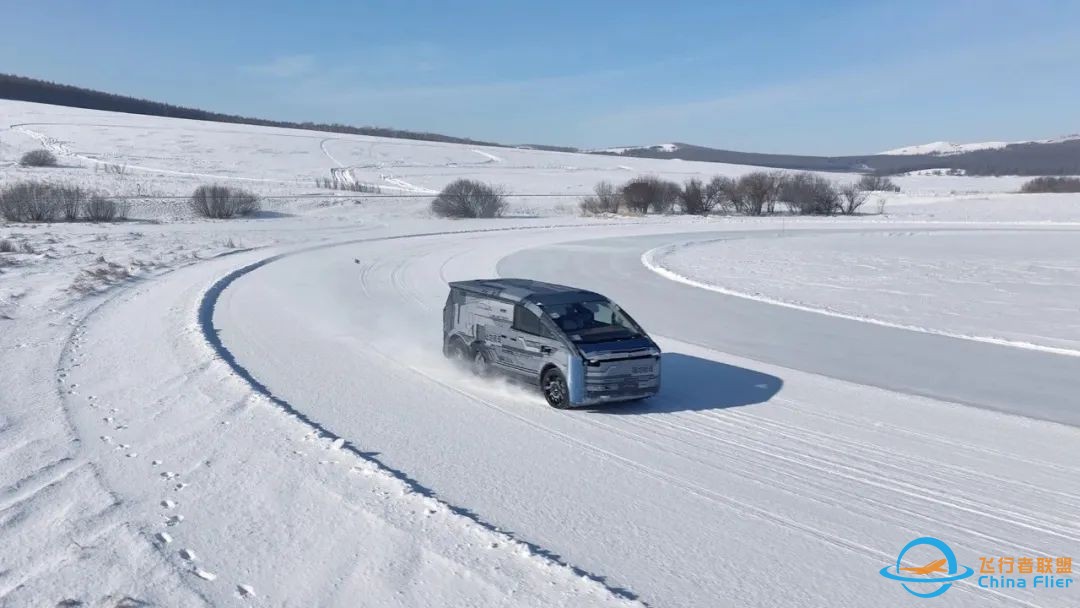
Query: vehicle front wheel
[
  {"x": 555, "y": 390},
  {"x": 481, "y": 365}
]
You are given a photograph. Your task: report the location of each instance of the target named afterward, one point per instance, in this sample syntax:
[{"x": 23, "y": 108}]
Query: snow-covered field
[{"x": 254, "y": 412}]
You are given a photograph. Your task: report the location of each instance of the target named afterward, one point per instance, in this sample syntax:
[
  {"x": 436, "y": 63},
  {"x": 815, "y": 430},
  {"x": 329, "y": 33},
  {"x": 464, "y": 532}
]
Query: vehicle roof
[{"x": 520, "y": 290}]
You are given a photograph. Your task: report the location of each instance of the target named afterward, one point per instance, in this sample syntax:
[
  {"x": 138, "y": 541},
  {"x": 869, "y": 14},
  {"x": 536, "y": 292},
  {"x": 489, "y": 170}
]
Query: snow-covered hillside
[
  {"x": 625, "y": 149},
  {"x": 946, "y": 148},
  {"x": 257, "y": 412}
]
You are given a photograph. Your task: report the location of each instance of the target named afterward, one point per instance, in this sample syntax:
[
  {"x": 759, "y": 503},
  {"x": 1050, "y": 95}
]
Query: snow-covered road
[{"x": 739, "y": 466}]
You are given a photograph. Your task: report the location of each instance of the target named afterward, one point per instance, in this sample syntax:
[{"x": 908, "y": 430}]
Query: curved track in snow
[
  {"x": 737, "y": 466},
  {"x": 1029, "y": 380}
]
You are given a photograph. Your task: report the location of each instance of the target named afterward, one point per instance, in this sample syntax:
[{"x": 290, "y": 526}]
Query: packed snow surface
[
  {"x": 256, "y": 411},
  {"x": 1020, "y": 286}
]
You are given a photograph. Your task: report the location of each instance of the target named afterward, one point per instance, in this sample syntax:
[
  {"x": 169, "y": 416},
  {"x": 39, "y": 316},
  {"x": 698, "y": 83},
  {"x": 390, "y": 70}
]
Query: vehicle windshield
[{"x": 590, "y": 322}]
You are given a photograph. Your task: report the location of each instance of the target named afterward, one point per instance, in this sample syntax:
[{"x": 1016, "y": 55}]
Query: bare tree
[
  {"x": 720, "y": 192},
  {"x": 757, "y": 192},
  {"x": 648, "y": 192},
  {"x": 851, "y": 198},
  {"x": 692, "y": 197},
  {"x": 466, "y": 198},
  {"x": 607, "y": 199},
  {"x": 876, "y": 183}
]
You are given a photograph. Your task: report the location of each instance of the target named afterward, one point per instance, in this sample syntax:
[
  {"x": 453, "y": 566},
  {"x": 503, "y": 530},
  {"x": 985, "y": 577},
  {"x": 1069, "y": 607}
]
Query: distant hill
[
  {"x": 946, "y": 148},
  {"x": 22, "y": 88},
  {"x": 1050, "y": 157}
]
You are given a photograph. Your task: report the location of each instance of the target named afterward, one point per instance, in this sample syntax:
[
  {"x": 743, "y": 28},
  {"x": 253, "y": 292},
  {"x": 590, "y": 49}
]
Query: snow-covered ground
[
  {"x": 1006, "y": 285},
  {"x": 253, "y": 412}
]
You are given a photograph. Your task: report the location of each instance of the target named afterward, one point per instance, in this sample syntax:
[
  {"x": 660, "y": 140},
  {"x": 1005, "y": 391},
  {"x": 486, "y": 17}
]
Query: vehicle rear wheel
[
  {"x": 555, "y": 390},
  {"x": 457, "y": 352}
]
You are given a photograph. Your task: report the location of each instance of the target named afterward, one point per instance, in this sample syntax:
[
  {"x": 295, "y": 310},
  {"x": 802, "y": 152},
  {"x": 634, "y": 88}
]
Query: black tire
[
  {"x": 557, "y": 393},
  {"x": 456, "y": 351},
  {"x": 480, "y": 363}
]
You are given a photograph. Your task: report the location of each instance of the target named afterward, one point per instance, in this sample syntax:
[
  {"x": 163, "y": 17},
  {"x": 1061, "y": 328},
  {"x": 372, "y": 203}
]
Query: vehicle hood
[{"x": 617, "y": 347}]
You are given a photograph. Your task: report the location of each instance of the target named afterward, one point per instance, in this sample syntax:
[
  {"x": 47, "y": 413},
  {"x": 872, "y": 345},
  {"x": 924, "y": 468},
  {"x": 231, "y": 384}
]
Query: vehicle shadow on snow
[{"x": 691, "y": 383}]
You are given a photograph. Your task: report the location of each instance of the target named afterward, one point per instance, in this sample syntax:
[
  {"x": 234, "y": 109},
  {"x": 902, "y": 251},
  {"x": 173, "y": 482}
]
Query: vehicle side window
[{"x": 526, "y": 320}]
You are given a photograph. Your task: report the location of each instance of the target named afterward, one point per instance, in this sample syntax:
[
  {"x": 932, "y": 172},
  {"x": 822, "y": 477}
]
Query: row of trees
[
  {"x": 1051, "y": 184},
  {"x": 757, "y": 193}
]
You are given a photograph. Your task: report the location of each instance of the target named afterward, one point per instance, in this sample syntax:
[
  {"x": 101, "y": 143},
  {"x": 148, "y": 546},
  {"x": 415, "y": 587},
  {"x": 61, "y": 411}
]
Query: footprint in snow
[
  {"x": 168, "y": 504},
  {"x": 169, "y": 475},
  {"x": 174, "y": 520},
  {"x": 164, "y": 538},
  {"x": 188, "y": 554},
  {"x": 206, "y": 576},
  {"x": 245, "y": 590}
]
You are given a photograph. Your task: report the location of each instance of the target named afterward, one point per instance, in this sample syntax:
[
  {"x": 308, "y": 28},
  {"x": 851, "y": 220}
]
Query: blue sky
[{"x": 826, "y": 77}]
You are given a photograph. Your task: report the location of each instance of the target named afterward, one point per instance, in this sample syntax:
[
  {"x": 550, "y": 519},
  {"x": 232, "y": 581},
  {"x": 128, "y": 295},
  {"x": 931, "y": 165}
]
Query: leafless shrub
[
  {"x": 223, "y": 202},
  {"x": 41, "y": 202},
  {"x": 809, "y": 194},
  {"x": 648, "y": 192},
  {"x": 851, "y": 198},
  {"x": 38, "y": 158},
  {"x": 876, "y": 183},
  {"x": 7, "y": 246},
  {"x": 757, "y": 192},
  {"x": 331, "y": 183},
  {"x": 114, "y": 169},
  {"x": 1051, "y": 184},
  {"x": 607, "y": 199},
  {"x": 466, "y": 198},
  {"x": 101, "y": 209}
]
